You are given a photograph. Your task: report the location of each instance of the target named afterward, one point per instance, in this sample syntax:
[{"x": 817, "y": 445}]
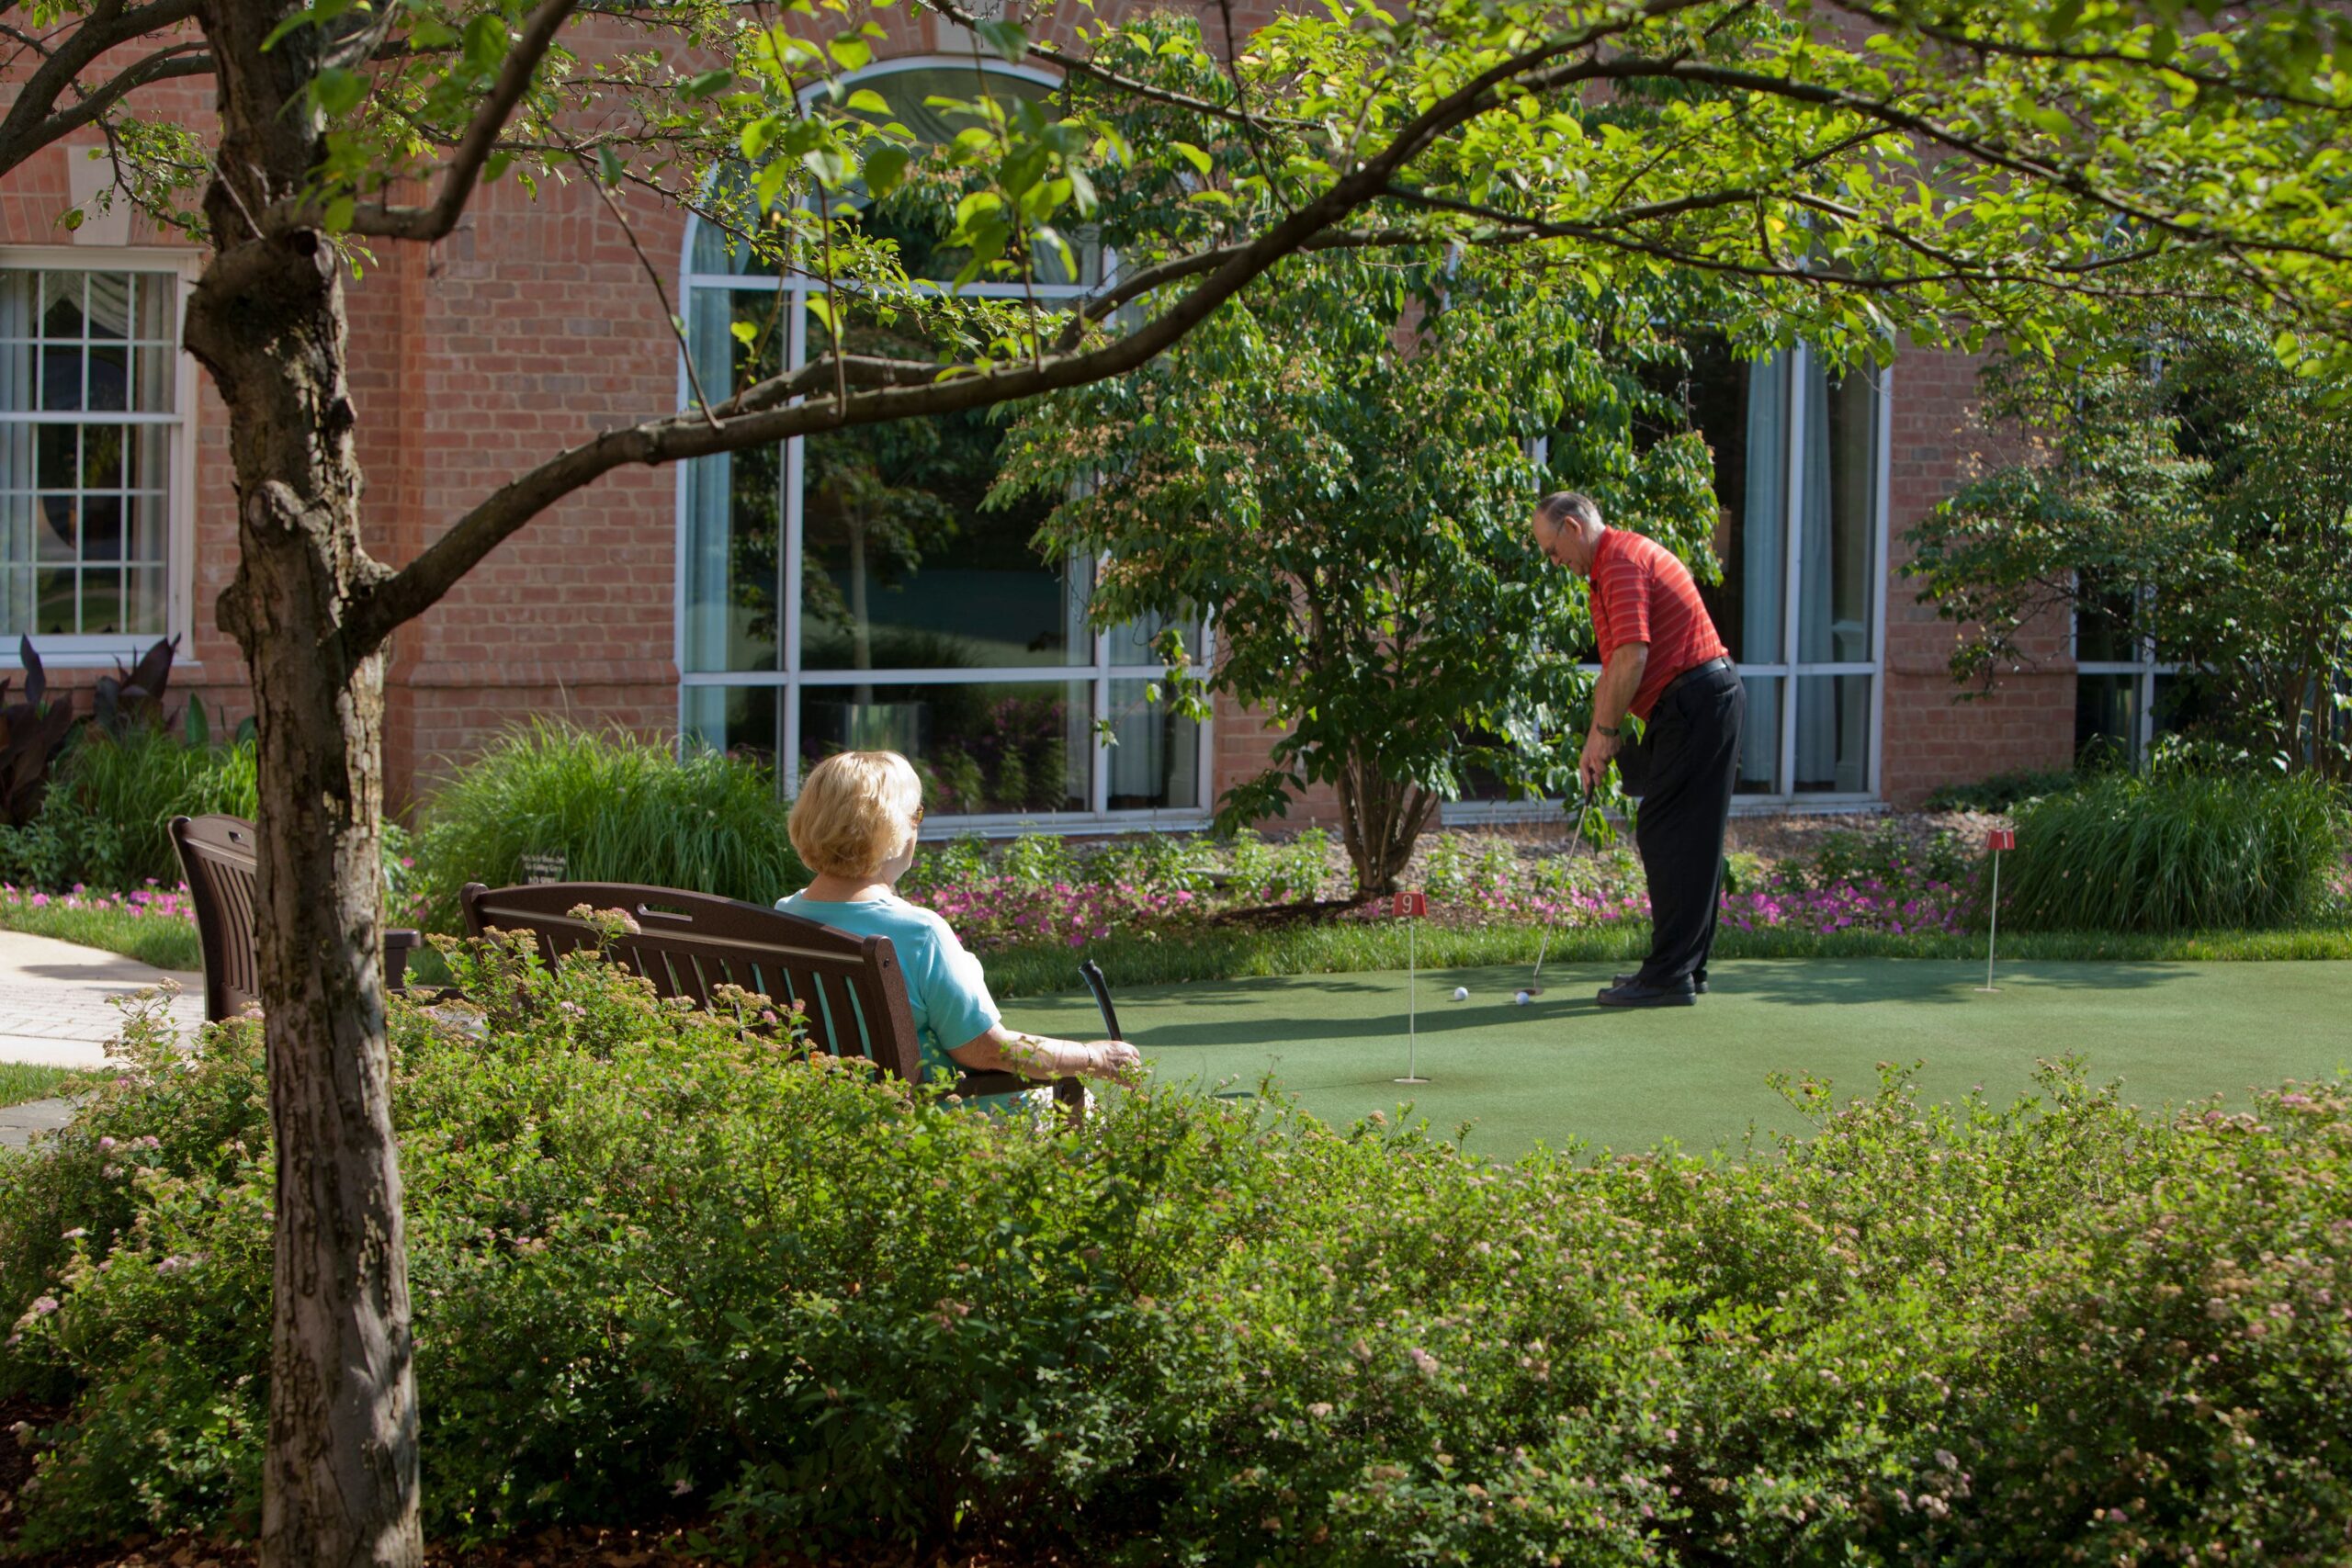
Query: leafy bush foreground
[{"x": 662, "y": 1269}]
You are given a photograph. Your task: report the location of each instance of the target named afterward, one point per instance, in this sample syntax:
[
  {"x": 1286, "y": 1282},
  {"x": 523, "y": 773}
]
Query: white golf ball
[
  {"x": 1522, "y": 998},
  {"x": 1460, "y": 993}
]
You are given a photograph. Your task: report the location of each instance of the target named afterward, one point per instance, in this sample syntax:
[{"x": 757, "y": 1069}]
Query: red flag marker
[{"x": 1996, "y": 841}]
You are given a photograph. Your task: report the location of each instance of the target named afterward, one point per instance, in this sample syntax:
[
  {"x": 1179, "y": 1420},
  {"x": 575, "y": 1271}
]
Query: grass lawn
[
  {"x": 1349, "y": 946},
  {"x": 165, "y": 941},
  {"x": 1564, "y": 1069},
  {"x": 22, "y": 1081}
]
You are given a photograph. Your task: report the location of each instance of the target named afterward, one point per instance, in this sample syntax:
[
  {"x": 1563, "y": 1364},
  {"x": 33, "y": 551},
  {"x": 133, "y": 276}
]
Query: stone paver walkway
[{"x": 57, "y": 1008}]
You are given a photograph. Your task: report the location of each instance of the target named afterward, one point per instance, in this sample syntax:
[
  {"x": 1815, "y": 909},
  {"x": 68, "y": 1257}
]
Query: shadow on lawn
[{"x": 1813, "y": 982}]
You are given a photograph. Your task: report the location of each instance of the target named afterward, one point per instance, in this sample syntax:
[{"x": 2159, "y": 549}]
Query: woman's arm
[{"x": 1042, "y": 1056}]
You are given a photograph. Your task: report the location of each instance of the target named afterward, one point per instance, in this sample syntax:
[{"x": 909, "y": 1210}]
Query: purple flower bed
[
  {"x": 1928, "y": 909},
  {"x": 163, "y": 903}
]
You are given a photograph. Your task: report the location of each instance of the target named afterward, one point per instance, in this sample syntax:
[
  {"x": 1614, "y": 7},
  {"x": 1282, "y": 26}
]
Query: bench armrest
[{"x": 399, "y": 942}]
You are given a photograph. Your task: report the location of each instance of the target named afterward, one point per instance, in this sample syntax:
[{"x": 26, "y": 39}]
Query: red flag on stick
[
  {"x": 1410, "y": 904},
  {"x": 2001, "y": 839}
]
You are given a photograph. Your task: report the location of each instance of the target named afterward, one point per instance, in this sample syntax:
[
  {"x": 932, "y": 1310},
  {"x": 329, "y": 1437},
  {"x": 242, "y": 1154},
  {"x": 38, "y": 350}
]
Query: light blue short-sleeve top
[{"x": 950, "y": 995}]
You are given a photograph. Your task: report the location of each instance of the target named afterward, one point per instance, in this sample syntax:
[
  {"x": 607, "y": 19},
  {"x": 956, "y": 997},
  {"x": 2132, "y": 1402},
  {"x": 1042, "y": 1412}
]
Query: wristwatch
[{"x": 1604, "y": 730}]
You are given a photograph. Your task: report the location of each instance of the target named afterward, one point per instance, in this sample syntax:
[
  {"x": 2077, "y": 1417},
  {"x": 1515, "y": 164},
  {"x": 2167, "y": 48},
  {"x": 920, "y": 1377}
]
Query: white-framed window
[
  {"x": 849, "y": 590},
  {"x": 2124, "y": 687},
  {"x": 96, "y": 458},
  {"x": 1801, "y": 483}
]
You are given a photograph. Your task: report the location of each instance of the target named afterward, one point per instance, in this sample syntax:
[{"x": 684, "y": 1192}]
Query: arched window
[{"x": 849, "y": 590}]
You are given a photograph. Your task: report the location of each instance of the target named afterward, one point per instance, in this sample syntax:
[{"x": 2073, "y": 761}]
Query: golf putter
[
  {"x": 1536, "y": 982},
  {"x": 1091, "y": 973}
]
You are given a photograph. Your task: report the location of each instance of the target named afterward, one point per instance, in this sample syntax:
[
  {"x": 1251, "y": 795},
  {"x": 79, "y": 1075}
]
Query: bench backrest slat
[{"x": 690, "y": 943}]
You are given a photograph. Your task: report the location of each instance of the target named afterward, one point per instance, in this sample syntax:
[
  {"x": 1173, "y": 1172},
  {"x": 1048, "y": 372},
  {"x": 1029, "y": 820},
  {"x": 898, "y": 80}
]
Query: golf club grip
[{"x": 1091, "y": 973}]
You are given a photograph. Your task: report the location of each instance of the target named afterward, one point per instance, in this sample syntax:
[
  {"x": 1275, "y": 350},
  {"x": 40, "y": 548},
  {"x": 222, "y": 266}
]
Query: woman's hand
[{"x": 1114, "y": 1060}]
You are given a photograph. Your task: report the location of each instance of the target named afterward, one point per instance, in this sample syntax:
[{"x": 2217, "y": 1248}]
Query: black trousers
[{"x": 1684, "y": 772}]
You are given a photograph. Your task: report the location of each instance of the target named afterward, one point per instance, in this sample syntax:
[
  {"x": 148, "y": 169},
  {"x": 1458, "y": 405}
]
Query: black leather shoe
[
  {"x": 1698, "y": 982},
  {"x": 1634, "y": 994}
]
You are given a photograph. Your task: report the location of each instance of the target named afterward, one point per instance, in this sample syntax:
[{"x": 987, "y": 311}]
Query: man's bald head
[{"x": 1568, "y": 529}]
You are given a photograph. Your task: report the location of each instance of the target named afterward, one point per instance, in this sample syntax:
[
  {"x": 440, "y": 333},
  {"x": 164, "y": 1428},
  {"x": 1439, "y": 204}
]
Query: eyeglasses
[{"x": 916, "y": 820}]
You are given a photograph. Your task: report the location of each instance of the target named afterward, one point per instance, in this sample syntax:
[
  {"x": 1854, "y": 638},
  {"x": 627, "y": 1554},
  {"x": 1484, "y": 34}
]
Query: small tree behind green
[
  {"x": 2197, "y": 497},
  {"x": 1351, "y": 499}
]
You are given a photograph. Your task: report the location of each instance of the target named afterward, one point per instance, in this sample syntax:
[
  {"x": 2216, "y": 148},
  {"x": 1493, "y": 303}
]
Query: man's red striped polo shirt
[{"x": 1640, "y": 593}]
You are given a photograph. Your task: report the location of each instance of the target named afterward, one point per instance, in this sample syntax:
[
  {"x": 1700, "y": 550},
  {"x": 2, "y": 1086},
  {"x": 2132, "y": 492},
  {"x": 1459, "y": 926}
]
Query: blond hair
[{"x": 855, "y": 812}]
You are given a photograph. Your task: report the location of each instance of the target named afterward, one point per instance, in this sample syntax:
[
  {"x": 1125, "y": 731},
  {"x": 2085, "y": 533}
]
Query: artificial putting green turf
[{"x": 1564, "y": 1069}]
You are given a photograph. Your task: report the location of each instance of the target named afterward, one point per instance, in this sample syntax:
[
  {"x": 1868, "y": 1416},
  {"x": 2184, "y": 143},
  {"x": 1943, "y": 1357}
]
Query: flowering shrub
[
  {"x": 1041, "y": 890},
  {"x": 1002, "y": 911},
  {"x": 661, "y": 1268}
]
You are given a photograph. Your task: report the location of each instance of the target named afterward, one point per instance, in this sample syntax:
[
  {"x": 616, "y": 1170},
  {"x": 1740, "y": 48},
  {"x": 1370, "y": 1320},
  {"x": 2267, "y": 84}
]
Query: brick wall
[{"x": 1936, "y": 732}]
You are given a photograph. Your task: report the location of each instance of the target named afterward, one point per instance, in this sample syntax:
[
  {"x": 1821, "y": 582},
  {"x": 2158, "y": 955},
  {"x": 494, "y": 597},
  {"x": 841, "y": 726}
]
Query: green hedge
[
  {"x": 2175, "y": 851},
  {"x": 662, "y": 1271},
  {"x": 616, "y": 808}
]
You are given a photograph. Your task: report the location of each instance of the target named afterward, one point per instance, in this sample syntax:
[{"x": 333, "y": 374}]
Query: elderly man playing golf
[{"x": 1662, "y": 663}]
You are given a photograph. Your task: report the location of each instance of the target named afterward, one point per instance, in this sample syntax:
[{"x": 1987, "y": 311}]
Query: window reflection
[{"x": 981, "y": 747}]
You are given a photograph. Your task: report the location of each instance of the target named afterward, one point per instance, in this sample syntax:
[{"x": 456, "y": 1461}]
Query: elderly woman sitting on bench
[{"x": 854, "y": 824}]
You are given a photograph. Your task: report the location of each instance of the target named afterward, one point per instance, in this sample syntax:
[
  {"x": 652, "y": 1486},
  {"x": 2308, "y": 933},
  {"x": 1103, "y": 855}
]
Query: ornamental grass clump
[
  {"x": 615, "y": 808},
  {"x": 670, "y": 1271},
  {"x": 2174, "y": 850}
]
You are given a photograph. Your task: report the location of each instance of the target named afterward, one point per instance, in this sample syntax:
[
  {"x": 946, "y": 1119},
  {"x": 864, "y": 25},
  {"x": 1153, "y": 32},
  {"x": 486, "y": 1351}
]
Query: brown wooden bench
[
  {"x": 852, "y": 994},
  {"x": 218, "y": 857}
]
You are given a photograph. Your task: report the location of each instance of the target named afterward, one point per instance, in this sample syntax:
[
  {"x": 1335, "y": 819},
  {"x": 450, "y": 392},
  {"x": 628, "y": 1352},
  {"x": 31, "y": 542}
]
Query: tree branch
[
  {"x": 421, "y": 584},
  {"x": 33, "y": 120},
  {"x": 1078, "y": 66},
  {"x": 480, "y": 140}
]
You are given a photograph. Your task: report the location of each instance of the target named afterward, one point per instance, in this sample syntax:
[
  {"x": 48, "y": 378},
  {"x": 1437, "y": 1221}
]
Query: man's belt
[{"x": 1721, "y": 661}]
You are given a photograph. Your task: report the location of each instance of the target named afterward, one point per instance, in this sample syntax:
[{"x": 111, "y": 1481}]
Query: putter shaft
[{"x": 1545, "y": 947}]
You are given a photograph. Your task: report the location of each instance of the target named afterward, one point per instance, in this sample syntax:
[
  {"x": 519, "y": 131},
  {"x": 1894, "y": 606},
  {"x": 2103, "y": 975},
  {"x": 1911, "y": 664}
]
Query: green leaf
[
  {"x": 608, "y": 164},
  {"x": 821, "y": 307},
  {"x": 339, "y": 215},
  {"x": 1194, "y": 156},
  {"x": 886, "y": 165},
  {"x": 851, "y": 51},
  {"x": 705, "y": 84},
  {"x": 743, "y": 333},
  {"x": 486, "y": 41},
  {"x": 337, "y": 91},
  {"x": 865, "y": 100},
  {"x": 194, "y": 725},
  {"x": 1006, "y": 38}
]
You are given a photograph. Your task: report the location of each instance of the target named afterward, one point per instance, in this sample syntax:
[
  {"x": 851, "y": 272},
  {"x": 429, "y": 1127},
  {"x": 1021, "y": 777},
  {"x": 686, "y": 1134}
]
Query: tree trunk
[
  {"x": 340, "y": 1480},
  {"x": 1381, "y": 821}
]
